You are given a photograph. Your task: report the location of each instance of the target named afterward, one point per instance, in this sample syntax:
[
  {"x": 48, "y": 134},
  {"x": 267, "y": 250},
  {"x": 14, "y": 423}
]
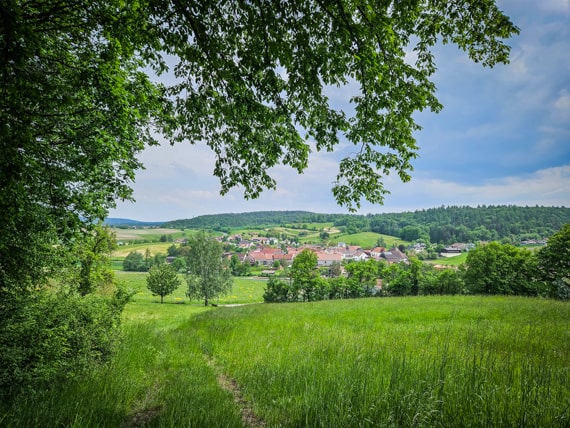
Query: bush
[
  {"x": 48, "y": 337},
  {"x": 277, "y": 291},
  {"x": 135, "y": 262}
]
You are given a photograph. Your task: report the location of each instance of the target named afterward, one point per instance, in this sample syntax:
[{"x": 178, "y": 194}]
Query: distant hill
[
  {"x": 438, "y": 225},
  {"x": 125, "y": 222},
  {"x": 253, "y": 219}
]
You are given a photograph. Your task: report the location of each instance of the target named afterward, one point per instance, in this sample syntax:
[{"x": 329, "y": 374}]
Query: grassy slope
[
  {"x": 431, "y": 361},
  {"x": 441, "y": 361}
]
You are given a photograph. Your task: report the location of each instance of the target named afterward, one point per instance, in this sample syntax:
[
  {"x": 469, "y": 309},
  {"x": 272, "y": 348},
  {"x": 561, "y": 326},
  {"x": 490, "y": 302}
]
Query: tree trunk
[{"x": 161, "y": 299}]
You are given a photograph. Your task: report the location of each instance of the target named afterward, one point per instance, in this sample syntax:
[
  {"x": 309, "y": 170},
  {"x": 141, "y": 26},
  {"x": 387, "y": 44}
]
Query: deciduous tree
[
  {"x": 208, "y": 275},
  {"x": 501, "y": 269},
  {"x": 554, "y": 263},
  {"x": 162, "y": 280}
]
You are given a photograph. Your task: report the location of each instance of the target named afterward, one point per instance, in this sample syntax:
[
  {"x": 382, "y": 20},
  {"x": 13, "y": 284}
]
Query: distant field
[
  {"x": 368, "y": 239},
  {"x": 449, "y": 261},
  {"x": 148, "y": 234},
  {"x": 245, "y": 290},
  {"x": 154, "y": 248}
]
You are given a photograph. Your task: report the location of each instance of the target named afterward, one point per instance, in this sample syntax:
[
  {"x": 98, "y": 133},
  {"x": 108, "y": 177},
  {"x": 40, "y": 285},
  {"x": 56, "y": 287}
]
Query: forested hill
[
  {"x": 464, "y": 224},
  {"x": 443, "y": 224},
  {"x": 256, "y": 219}
]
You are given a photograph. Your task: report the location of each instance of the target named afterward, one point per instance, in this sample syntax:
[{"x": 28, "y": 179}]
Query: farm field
[
  {"x": 146, "y": 234},
  {"x": 368, "y": 239},
  {"x": 384, "y": 362}
]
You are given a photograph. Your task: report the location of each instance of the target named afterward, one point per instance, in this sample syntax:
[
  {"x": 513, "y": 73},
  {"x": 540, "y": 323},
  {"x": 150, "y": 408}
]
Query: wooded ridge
[{"x": 442, "y": 224}]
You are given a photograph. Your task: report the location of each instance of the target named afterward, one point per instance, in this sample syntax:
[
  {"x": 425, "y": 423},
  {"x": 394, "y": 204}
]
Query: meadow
[{"x": 380, "y": 362}]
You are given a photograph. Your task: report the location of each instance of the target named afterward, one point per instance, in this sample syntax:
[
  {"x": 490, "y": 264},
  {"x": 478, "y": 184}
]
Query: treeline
[
  {"x": 254, "y": 219},
  {"x": 443, "y": 225},
  {"x": 468, "y": 224}
]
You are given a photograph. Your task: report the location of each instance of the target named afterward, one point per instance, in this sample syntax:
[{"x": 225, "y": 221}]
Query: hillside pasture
[
  {"x": 147, "y": 234},
  {"x": 393, "y": 362},
  {"x": 367, "y": 240}
]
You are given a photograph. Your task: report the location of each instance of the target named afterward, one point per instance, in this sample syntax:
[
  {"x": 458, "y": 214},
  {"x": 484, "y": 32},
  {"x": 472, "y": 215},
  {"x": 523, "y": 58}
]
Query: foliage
[
  {"x": 94, "y": 252},
  {"x": 554, "y": 263},
  {"x": 208, "y": 275},
  {"x": 135, "y": 262},
  {"x": 49, "y": 337},
  {"x": 417, "y": 278},
  {"x": 162, "y": 280},
  {"x": 501, "y": 269}
]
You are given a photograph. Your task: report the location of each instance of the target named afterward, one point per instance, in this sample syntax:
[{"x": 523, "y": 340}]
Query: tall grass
[
  {"x": 395, "y": 362},
  {"x": 457, "y": 361},
  {"x": 158, "y": 377}
]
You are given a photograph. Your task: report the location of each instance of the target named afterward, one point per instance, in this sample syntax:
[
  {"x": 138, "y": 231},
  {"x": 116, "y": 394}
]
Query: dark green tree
[
  {"x": 554, "y": 264},
  {"x": 501, "y": 269},
  {"x": 304, "y": 274},
  {"x": 134, "y": 262},
  {"x": 94, "y": 250},
  {"x": 208, "y": 275}
]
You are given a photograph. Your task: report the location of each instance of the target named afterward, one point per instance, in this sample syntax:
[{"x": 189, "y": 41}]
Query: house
[
  {"x": 286, "y": 259},
  {"x": 450, "y": 252},
  {"x": 377, "y": 252},
  {"x": 394, "y": 256},
  {"x": 360, "y": 256},
  {"x": 327, "y": 259},
  {"x": 261, "y": 258}
]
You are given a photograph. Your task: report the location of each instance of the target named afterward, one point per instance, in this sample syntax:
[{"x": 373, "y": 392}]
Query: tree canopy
[{"x": 249, "y": 79}]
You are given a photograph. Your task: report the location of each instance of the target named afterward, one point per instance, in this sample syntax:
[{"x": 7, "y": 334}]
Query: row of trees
[{"x": 489, "y": 269}]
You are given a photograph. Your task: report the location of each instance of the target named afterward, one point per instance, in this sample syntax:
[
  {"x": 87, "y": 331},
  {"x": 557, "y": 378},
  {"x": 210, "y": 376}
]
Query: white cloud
[{"x": 549, "y": 187}]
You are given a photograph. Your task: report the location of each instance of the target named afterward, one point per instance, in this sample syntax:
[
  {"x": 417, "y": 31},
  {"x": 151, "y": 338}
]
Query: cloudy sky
[{"x": 503, "y": 137}]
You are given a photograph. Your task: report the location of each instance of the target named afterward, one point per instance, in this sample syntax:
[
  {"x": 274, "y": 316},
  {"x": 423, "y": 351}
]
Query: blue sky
[{"x": 503, "y": 137}]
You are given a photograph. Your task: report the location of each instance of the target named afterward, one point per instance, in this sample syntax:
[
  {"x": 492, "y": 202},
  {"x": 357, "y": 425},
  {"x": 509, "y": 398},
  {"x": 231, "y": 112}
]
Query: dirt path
[{"x": 248, "y": 417}]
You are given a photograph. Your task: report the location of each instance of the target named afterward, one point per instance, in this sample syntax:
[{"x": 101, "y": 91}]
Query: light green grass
[
  {"x": 445, "y": 361},
  {"x": 393, "y": 362},
  {"x": 244, "y": 290},
  {"x": 367, "y": 240},
  {"x": 450, "y": 261}
]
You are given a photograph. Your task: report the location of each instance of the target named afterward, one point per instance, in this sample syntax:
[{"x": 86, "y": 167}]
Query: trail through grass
[{"x": 394, "y": 362}]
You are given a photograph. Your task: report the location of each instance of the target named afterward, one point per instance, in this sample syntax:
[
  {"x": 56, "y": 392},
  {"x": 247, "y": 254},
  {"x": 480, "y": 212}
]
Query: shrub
[{"x": 48, "y": 337}]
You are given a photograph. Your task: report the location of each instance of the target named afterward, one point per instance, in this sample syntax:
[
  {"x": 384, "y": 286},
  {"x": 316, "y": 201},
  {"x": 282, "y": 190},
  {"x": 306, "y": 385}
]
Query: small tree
[
  {"x": 304, "y": 273},
  {"x": 162, "y": 280},
  {"x": 208, "y": 275}
]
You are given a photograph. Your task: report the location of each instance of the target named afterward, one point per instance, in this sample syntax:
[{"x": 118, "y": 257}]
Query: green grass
[
  {"x": 368, "y": 239},
  {"x": 450, "y": 261},
  {"x": 393, "y": 362},
  {"x": 445, "y": 361},
  {"x": 244, "y": 290},
  {"x": 148, "y": 234}
]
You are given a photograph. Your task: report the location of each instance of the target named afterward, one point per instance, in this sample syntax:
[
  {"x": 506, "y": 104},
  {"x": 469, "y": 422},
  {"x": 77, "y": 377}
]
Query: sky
[{"x": 503, "y": 138}]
